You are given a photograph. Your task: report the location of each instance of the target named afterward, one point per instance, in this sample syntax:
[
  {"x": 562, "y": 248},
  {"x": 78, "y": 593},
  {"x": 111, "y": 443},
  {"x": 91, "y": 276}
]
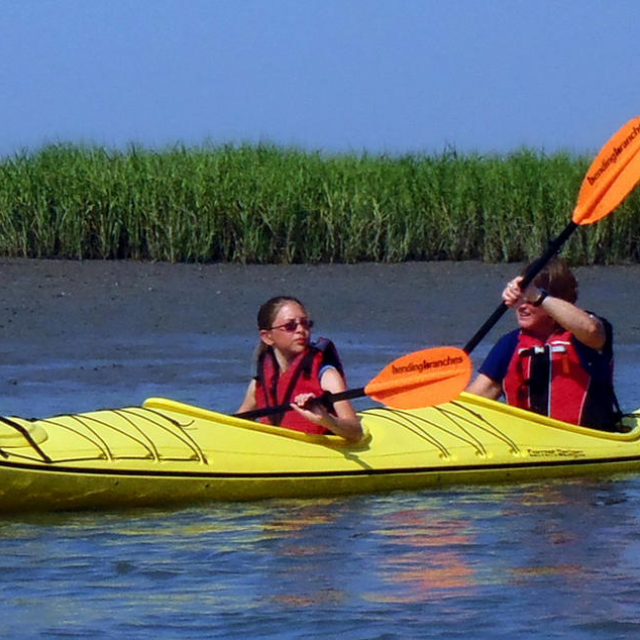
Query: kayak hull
[{"x": 168, "y": 453}]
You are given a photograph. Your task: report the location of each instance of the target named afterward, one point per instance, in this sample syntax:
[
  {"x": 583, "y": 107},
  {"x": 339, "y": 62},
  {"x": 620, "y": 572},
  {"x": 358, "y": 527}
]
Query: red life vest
[
  {"x": 303, "y": 376},
  {"x": 547, "y": 376}
]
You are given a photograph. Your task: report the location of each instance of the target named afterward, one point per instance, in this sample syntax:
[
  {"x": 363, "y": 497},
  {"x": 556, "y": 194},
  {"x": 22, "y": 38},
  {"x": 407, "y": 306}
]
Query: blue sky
[{"x": 394, "y": 76}]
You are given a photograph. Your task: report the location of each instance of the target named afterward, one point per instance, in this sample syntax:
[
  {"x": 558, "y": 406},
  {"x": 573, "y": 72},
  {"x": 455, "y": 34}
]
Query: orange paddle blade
[
  {"x": 611, "y": 176},
  {"x": 422, "y": 378}
]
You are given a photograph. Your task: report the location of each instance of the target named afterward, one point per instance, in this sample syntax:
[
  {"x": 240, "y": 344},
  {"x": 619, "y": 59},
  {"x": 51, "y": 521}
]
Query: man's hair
[{"x": 556, "y": 278}]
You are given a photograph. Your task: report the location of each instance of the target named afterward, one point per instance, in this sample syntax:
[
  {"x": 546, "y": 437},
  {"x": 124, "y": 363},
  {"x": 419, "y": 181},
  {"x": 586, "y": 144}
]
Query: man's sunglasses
[{"x": 292, "y": 325}]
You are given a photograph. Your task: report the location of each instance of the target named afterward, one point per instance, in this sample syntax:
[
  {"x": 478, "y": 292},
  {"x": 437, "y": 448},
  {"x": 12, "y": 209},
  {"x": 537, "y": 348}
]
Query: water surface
[{"x": 550, "y": 559}]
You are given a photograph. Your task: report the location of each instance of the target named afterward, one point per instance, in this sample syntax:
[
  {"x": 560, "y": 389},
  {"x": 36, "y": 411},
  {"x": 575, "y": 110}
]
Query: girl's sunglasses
[{"x": 292, "y": 325}]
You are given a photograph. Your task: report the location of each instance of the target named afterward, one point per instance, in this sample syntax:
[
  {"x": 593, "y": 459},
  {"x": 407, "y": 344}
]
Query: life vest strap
[{"x": 536, "y": 351}]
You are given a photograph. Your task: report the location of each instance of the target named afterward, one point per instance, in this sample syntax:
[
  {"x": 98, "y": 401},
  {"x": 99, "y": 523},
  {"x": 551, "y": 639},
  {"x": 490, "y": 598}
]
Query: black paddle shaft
[
  {"x": 536, "y": 268},
  {"x": 327, "y": 399}
]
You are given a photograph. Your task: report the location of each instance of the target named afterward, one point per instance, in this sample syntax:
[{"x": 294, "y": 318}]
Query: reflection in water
[
  {"x": 424, "y": 554},
  {"x": 563, "y": 554}
]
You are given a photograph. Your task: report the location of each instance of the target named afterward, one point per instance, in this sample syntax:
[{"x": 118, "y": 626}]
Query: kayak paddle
[
  {"x": 610, "y": 178},
  {"x": 419, "y": 379}
]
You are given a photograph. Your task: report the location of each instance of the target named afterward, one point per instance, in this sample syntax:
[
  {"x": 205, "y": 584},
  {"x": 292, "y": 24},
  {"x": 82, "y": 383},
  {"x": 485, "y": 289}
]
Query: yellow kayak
[{"x": 165, "y": 452}]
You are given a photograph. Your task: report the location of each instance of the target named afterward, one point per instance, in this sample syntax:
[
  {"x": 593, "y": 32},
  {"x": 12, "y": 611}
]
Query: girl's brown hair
[{"x": 269, "y": 310}]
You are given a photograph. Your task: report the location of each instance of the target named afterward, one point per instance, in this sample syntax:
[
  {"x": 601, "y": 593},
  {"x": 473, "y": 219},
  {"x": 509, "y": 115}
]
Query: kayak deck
[{"x": 166, "y": 452}]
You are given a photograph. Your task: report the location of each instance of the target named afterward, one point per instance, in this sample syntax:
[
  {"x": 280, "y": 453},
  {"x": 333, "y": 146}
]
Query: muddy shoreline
[{"x": 48, "y": 300}]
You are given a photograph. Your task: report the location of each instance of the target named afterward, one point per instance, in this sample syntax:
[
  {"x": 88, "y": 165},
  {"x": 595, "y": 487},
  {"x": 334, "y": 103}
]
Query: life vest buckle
[{"x": 537, "y": 350}]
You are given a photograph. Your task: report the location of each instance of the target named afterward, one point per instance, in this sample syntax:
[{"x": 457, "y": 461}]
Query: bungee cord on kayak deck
[
  {"x": 24, "y": 432},
  {"x": 482, "y": 424},
  {"x": 416, "y": 424},
  {"x": 87, "y": 428}
]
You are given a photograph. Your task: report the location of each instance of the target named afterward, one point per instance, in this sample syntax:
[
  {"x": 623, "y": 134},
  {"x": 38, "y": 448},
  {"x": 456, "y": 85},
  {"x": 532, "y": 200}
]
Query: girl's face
[{"x": 290, "y": 331}]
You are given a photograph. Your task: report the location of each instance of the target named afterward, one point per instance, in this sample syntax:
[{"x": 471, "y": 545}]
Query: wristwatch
[{"x": 540, "y": 299}]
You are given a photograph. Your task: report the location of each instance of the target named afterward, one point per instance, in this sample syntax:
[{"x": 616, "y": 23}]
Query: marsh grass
[{"x": 266, "y": 204}]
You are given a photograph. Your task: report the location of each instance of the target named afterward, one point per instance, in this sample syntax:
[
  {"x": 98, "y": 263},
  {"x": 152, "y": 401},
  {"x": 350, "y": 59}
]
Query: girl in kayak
[
  {"x": 560, "y": 361},
  {"x": 292, "y": 369}
]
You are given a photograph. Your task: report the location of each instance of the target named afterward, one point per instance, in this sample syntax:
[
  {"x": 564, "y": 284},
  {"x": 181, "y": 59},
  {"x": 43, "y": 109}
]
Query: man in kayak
[
  {"x": 292, "y": 369},
  {"x": 560, "y": 361}
]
